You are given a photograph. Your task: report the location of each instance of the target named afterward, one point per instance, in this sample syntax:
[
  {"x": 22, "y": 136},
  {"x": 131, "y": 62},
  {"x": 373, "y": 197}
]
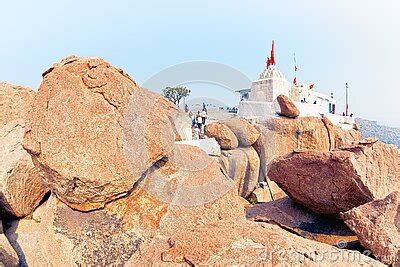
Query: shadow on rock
[{"x": 303, "y": 222}]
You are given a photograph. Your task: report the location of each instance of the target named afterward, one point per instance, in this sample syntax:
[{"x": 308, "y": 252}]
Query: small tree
[{"x": 175, "y": 94}]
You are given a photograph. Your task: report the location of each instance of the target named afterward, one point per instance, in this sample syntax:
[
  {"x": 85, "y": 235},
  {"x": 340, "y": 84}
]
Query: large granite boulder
[
  {"x": 242, "y": 165},
  {"x": 224, "y": 136},
  {"x": 234, "y": 164},
  {"x": 281, "y": 136},
  {"x": 337, "y": 181},
  {"x": 245, "y": 132},
  {"x": 284, "y": 106},
  {"x": 297, "y": 219},
  {"x": 377, "y": 225},
  {"x": 94, "y": 132},
  {"x": 21, "y": 186},
  {"x": 8, "y": 256},
  {"x": 250, "y": 181}
]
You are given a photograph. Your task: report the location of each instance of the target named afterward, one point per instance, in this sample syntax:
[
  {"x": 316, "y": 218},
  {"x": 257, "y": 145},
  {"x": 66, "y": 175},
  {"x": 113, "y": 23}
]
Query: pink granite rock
[
  {"x": 21, "y": 185},
  {"x": 286, "y": 107},
  {"x": 94, "y": 132},
  {"x": 337, "y": 181},
  {"x": 377, "y": 225}
]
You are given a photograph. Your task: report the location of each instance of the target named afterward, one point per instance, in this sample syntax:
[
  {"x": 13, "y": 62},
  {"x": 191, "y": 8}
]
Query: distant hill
[{"x": 389, "y": 135}]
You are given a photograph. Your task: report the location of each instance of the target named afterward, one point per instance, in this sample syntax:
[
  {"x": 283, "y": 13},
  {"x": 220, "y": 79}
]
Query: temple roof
[{"x": 272, "y": 72}]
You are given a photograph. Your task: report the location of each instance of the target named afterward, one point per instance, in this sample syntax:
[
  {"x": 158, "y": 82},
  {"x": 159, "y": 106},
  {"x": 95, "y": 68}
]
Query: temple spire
[{"x": 271, "y": 59}]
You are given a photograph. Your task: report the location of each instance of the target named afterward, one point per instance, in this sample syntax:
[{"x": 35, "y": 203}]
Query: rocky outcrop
[
  {"x": 60, "y": 236},
  {"x": 94, "y": 132},
  {"x": 249, "y": 243},
  {"x": 280, "y": 136},
  {"x": 8, "y": 256},
  {"x": 339, "y": 137},
  {"x": 303, "y": 222},
  {"x": 337, "y": 181},
  {"x": 224, "y": 136},
  {"x": 377, "y": 225},
  {"x": 245, "y": 132},
  {"x": 242, "y": 166},
  {"x": 125, "y": 194},
  {"x": 284, "y": 106},
  {"x": 129, "y": 228},
  {"x": 138, "y": 229},
  {"x": 21, "y": 186}
]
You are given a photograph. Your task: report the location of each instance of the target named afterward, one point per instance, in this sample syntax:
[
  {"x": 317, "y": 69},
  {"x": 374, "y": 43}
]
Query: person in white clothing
[{"x": 203, "y": 116}]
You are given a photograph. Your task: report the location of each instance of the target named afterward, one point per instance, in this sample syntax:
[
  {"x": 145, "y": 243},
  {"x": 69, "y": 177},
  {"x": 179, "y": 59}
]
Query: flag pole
[
  {"x": 295, "y": 68},
  {"x": 347, "y": 99}
]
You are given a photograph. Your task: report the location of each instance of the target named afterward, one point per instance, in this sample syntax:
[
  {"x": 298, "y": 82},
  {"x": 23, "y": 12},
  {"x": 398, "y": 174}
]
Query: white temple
[{"x": 259, "y": 100}]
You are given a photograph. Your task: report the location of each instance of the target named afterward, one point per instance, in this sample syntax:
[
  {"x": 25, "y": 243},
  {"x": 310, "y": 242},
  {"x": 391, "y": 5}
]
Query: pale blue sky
[{"x": 335, "y": 41}]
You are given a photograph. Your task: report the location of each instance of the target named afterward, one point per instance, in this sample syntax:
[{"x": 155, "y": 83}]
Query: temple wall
[
  {"x": 345, "y": 122},
  {"x": 307, "y": 110},
  {"x": 251, "y": 109},
  {"x": 269, "y": 89}
]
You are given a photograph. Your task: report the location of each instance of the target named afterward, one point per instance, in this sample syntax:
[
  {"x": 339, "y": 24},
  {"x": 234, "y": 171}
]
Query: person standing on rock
[
  {"x": 204, "y": 116},
  {"x": 199, "y": 121}
]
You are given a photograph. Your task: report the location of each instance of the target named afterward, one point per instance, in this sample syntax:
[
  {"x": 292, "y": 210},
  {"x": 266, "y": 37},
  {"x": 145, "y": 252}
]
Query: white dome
[{"x": 272, "y": 72}]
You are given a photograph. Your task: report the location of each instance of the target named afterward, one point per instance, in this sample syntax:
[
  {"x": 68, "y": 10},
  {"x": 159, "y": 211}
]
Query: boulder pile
[
  {"x": 21, "y": 185},
  {"x": 239, "y": 159},
  {"x": 125, "y": 192}
]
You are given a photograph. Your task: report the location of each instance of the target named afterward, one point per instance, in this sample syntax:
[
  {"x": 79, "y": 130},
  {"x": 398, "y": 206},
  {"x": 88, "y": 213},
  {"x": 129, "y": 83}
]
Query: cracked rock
[
  {"x": 377, "y": 226},
  {"x": 242, "y": 165},
  {"x": 281, "y": 136},
  {"x": 339, "y": 137},
  {"x": 337, "y": 181},
  {"x": 94, "y": 132},
  {"x": 21, "y": 186},
  {"x": 303, "y": 222}
]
